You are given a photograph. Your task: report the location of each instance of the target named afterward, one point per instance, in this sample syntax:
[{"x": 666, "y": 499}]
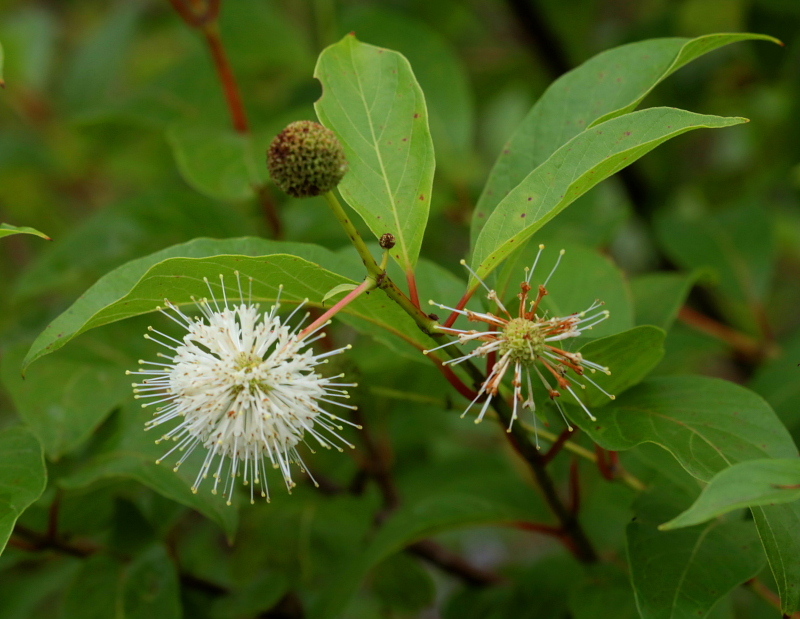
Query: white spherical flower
[
  {"x": 531, "y": 344},
  {"x": 242, "y": 384}
]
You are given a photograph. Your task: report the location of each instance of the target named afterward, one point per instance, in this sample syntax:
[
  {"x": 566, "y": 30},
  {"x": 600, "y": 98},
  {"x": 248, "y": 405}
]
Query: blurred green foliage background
[{"x": 115, "y": 140}]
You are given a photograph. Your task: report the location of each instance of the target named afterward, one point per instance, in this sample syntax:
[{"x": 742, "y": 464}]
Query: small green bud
[{"x": 306, "y": 159}]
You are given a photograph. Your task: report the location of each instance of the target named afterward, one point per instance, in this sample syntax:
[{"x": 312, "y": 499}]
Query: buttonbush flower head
[
  {"x": 243, "y": 385},
  {"x": 306, "y": 159},
  {"x": 529, "y": 345}
]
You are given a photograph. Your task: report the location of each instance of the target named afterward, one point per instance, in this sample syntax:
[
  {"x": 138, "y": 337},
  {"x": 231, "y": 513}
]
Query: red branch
[
  {"x": 412, "y": 288},
  {"x": 461, "y": 305}
]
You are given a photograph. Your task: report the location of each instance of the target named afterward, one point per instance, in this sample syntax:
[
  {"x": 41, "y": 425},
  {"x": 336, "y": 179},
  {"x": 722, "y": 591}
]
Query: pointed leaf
[
  {"x": 372, "y": 100},
  {"x": 23, "y": 476},
  {"x": 131, "y": 453},
  {"x": 572, "y": 170},
  {"x": 63, "y": 399},
  {"x": 658, "y": 297},
  {"x": 8, "y": 230},
  {"x": 682, "y": 574},
  {"x": 338, "y": 290},
  {"x": 746, "y": 484},
  {"x": 114, "y": 285},
  {"x": 610, "y": 84},
  {"x": 630, "y": 356},
  {"x": 407, "y": 525},
  {"x": 707, "y": 425},
  {"x": 180, "y": 279}
]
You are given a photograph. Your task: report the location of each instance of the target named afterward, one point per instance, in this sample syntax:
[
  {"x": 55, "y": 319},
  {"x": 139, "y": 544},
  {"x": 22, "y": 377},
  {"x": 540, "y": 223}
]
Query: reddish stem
[
  {"x": 556, "y": 447},
  {"x": 740, "y": 342},
  {"x": 270, "y": 210},
  {"x": 412, "y": 289},
  {"x": 574, "y": 487},
  {"x": 491, "y": 359},
  {"x": 367, "y": 284},
  {"x": 229, "y": 85},
  {"x": 607, "y": 463},
  {"x": 537, "y": 527},
  {"x": 461, "y": 305},
  {"x": 457, "y": 383}
]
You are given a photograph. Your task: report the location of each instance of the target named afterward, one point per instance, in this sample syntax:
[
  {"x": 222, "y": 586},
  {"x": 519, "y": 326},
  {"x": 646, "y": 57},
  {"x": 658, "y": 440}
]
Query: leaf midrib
[{"x": 378, "y": 154}]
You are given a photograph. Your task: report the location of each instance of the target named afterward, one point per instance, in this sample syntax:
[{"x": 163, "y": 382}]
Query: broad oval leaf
[
  {"x": 630, "y": 355},
  {"x": 575, "y": 168},
  {"x": 444, "y": 82},
  {"x": 372, "y": 100},
  {"x": 407, "y": 525},
  {"x": 151, "y": 587},
  {"x": 131, "y": 453},
  {"x": 64, "y": 398},
  {"x": 583, "y": 276},
  {"x": 8, "y": 229},
  {"x": 682, "y": 574},
  {"x": 218, "y": 162},
  {"x": 737, "y": 245},
  {"x": 181, "y": 279},
  {"x": 23, "y": 476},
  {"x": 117, "y": 283},
  {"x": 746, "y": 484},
  {"x": 610, "y": 84},
  {"x": 658, "y": 297},
  {"x": 707, "y": 425}
]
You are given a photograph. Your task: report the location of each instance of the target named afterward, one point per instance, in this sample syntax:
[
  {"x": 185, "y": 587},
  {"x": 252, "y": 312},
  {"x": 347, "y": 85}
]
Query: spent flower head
[
  {"x": 528, "y": 344},
  {"x": 242, "y": 384},
  {"x": 306, "y": 159}
]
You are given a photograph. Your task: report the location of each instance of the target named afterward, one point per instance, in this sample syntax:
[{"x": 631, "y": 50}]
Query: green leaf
[
  {"x": 338, "y": 290},
  {"x": 181, "y": 279},
  {"x": 29, "y": 593},
  {"x": 64, "y": 398},
  {"x": 94, "y": 592},
  {"x": 707, "y": 425},
  {"x": 2, "y": 60},
  {"x": 630, "y": 355},
  {"x": 606, "y": 86},
  {"x": 407, "y": 525},
  {"x": 402, "y": 583},
  {"x": 94, "y": 69},
  {"x": 372, "y": 100},
  {"x": 122, "y": 231},
  {"x": 778, "y": 526},
  {"x": 151, "y": 587},
  {"x": 23, "y": 476},
  {"x": 583, "y": 276},
  {"x": 116, "y": 284},
  {"x": 776, "y": 380},
  {"x": 131, "y": 453},
  {"x": 443, "y": 80},
  {"x": 736, "y": 244},
  {"x": 218, "y": 162},
  {"x": 606, "y": 593},
  {"x": 682, "y": 574},
  {"x": 657, "y": 297},
  {"x": 746, "y": 484},
  {"x": 8, "y": 230},
  {"x": 572, "y": 170}
]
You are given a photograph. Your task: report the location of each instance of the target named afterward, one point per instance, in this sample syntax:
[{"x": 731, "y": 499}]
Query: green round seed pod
[{"x": 306, "y": 159}]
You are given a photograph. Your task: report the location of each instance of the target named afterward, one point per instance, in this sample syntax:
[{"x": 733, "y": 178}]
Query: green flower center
[
  {"x": 524, "y": 339},
  {"x": 248, "y": 362}
]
